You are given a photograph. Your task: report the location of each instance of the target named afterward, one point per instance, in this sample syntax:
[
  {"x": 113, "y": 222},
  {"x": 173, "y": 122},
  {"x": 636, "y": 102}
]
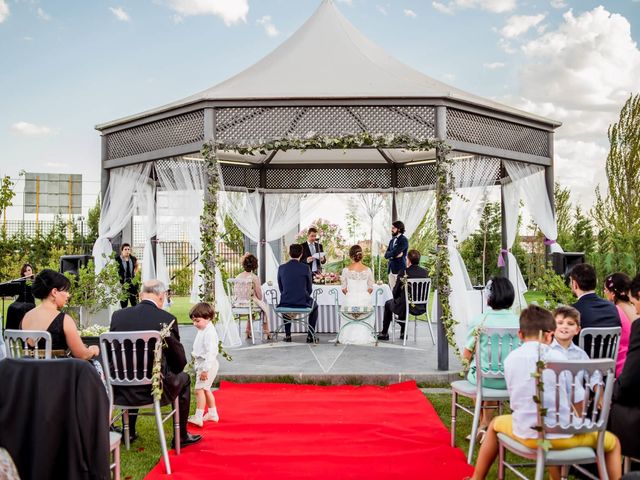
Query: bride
[{"x": 357, "y": 285}]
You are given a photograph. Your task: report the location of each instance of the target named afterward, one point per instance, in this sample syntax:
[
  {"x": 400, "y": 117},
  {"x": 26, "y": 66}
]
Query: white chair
[
  {"x": 114, "y": 439},
  {"x": 499, "y": 343},
  {"x": 600, "y": 342},
  {"x": 593, "y": 419},
  {"x": 121, "y": 352},
  {"x": 416, "y": 292},
  {"x": 18, "y": 345},
  {"x": 240, "y": 292}
]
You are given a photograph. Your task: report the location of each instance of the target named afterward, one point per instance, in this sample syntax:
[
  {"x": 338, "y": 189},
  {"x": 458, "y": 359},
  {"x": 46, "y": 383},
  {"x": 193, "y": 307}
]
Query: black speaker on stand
[
  {"x": 564, "y": 262},
  {"x": 73, "y": 263}
]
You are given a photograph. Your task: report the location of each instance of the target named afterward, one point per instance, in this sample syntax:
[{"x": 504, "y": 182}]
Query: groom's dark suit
[
  {"x": 398, "y": 305},
  {"x": 294, "y": 282},
  {"x": 397, "y": 245}
]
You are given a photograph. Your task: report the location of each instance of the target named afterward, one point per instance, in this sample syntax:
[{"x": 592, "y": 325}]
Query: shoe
[
  {"x": 482, "y": 432},
  {"x": 133, "y": 437},
  {"x": 287, "y": 338},
  {"x": 113, "y": 428},
  {"x": 384, "y": 337},
  {"x": 195, "y": 420},
  {"x": 310, "y": 339},
  {"x": 211, "y": 417},
  {"x": 266, "y": 336},
  {"x": 187, "y": 440},
  {"x": 248, "y": 335}
]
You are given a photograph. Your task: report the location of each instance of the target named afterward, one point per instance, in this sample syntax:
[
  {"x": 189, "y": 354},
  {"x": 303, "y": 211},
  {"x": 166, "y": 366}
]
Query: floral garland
[
  {"x": 156, "y": 371},
  {"x": 444, "y": 188}
]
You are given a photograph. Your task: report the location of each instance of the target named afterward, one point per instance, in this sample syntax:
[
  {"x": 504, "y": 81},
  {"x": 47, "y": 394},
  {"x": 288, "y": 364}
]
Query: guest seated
[
  {"x": 397, "y": 304},
  {"x": 624, "y": 419},
  {"x": 500, "y": 297},
  {"x": 537, "y": 323},
  {"x": 149, "y": 315},
  {"x": 616, "y": 290},
  {"x": 294, "y": 282},
  {"x": 52, "y": 288},
  {"x": 250, "y": 265}
]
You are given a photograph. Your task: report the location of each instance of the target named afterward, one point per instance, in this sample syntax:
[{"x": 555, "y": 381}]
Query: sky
[{"x": 66, "y": 65}]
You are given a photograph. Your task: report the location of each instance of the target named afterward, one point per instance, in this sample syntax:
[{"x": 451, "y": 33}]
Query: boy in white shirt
[
  {"x": 567, "y": 326},
  {"x": 537, "y": 326},
  {"x": 205, "y": 353}
]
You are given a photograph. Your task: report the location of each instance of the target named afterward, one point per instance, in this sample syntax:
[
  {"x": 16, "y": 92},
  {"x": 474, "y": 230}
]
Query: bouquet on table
[{"x": 326, "y": 278}]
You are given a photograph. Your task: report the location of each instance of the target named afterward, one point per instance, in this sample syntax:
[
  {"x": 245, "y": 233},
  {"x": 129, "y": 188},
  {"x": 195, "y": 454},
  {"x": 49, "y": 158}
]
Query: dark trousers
[
  {"x": 173, "y": 386},
  {"x": 133, "y": 297},
  {"x": 388, "y": 316},
  {"x": 313, "y": 319}
]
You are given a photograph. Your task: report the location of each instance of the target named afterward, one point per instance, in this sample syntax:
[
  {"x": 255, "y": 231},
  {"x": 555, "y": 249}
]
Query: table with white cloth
[{"x": 328, "y": 311}]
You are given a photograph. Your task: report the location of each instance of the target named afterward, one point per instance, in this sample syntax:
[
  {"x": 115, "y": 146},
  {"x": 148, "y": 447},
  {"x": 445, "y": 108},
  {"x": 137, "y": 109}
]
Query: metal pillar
[
  {"x": 105, "y": 174},
  {"x": 262, "y": 241},
  {"x": 503, "y": 224},
  {"x": 154, "y": 239},
  {"x": 394, "y": 186},
  {"x": 443, "y": 345},
  {"x": 549, "y": 180}
]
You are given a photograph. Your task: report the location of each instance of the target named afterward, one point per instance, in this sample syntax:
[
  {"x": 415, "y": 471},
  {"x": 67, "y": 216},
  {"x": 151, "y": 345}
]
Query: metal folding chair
[
  {"x": 299, "y": 315},
  {"x": 121, "y": 352},
  {"x": 505, "y": 340},
  {"x": 26, "y": 343},
  {"x": 240, "y": 292},
  {"x": 416, "y": 292},
  {"x": 575, "y": 374},
  {"x": 600, "y": 342}
]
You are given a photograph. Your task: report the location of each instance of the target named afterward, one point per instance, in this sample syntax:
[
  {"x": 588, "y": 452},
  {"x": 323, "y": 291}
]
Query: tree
[
  {"x": 372, "y": 204},
  {"x": 480, "y": 251},
  {"x": 563, "y": 215},
  {"x": 6, "y": 197},
  {"x": 353, "y": 220},
  {"x": 618, "y": 213},
  {"x": 93, "y": 223},
  {"x": 583, "y": 239}
]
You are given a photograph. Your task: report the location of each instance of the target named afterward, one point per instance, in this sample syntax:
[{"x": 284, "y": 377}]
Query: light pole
[{"x": 81, "y": 218}]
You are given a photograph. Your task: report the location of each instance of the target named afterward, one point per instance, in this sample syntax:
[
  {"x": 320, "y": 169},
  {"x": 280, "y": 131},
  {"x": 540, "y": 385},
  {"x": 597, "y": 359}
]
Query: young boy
[
  {"x": 537, "y": 326},
  {"x": 567, "y": 326},
  {"x": 205, "y": 353}
]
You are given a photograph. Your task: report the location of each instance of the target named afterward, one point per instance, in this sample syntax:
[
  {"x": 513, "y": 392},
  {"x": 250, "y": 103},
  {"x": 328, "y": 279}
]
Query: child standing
[
  {"x": 205, "y": 353},
  {"x": 537, "y": 327}
]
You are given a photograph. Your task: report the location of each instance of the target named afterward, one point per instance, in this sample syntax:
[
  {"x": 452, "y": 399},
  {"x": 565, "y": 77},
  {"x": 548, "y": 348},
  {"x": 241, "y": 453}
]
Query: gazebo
[{"x": 329, "y": 81}]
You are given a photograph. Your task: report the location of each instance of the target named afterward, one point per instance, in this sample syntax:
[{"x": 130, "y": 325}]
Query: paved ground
[{"x": 386, "y": 363}]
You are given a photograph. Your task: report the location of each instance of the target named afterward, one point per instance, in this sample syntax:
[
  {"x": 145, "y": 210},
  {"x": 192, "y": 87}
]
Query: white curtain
[
  {"x": 117, "y": 207},
  {"x": 412, "y": 207},
  {"x": 530, "y": 180},
  {"x": 147, "y": 208},
  {"x": 282, "y": 215},
  {"x": 511, "y": 199}
]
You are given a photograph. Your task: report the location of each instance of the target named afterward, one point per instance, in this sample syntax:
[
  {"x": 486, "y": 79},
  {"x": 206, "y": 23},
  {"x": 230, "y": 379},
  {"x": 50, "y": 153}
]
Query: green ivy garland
[{"x": 444, "y": 188}]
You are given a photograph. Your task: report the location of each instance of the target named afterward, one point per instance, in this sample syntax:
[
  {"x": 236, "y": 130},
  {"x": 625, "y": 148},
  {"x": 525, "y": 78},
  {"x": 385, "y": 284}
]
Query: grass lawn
[{"x": 180, "y": 307}]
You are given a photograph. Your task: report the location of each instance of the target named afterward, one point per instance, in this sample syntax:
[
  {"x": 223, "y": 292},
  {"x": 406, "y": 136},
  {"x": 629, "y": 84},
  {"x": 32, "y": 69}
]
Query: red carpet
[{"x": 280, "y": 431}]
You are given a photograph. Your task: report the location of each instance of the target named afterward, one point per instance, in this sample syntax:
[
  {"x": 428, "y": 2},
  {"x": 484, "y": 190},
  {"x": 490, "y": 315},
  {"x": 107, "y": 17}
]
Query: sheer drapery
[
  {"x": 530, "y": 180},
  {"x": 511, "y": 200},
  {"x": 412, "y": 207},
  {"x": 282, "y": 215},
  {"x": 117, "y": 207},
  {"x": 147, "y": 208}
]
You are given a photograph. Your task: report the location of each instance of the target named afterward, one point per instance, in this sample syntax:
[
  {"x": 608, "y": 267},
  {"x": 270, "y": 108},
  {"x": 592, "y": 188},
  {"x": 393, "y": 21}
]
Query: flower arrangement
[
  {"x": 328, "y": 278},
  {"x": 94, "y": 331}
]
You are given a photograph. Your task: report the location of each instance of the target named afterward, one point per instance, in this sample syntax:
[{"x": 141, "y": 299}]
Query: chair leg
[
  {"x": 176, "y": 425},
  {"x": 433, "y": 339},
  {"x": 253, "y": 337},
  {"x": 500, "y": 461},
  {"x": 116, "y": 461},
  {"x": 626, "y": 464},
  {"x": 161, "y": 436},
  {"x": 454, "y": 413},
  {"x": 602, "y": 466},
  {"x": 564, "y": 472},
  {"x": 393, "y": 327},
  {"x": 125, "y": 421},
  {"x": 474, "y": 429},
  {"x": 540, "y": 465},
  {"x": 415, "y": 330},
  {"x": 406, "y": 331}
]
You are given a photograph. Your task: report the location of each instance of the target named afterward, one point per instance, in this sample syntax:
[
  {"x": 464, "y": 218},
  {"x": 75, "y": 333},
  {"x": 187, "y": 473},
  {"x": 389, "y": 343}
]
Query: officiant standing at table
[
  {"x": 312, "y": 252},
  {"x": 396, "y": 252}
]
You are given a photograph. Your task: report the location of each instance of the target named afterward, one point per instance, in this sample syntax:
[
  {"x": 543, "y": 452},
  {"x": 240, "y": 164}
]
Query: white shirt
[
  {"x": 205, "y": 349},
  {"x": 518, "y": 367},
  {"x": 312, "y": 250}
]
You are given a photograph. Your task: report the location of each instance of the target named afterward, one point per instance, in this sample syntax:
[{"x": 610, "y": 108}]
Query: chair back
[
  {"x": 417, "y": 291},
  {"x": 271, "y": 296},
  {"x": 602, "y": 342},
  {"x": 128, "y": 357},
  {"x": 18, "y": 346},
  {"x": 569, "y": 377},
  {"x": 240, "y": 291},
  {"x": 500, "y": 342}
]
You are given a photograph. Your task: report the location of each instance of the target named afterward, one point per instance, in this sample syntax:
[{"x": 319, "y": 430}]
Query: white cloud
[
  {"x": 231, "y": 11},
  {"x": 494, "y": 6},
  {"x": 269, "y": 28},
  {"x": 120, "y": 14},
  {"x": 43, "y": 15},
  {"x": 4, "y": 10},
  {"x": 442, "y": 8},
  {"x": 519, "y": 24},
  {"x": 31, "y": 129},
  {"x": 27, "y": 39},
  {"x": 493, "y": 65},
  {"x": 581, "y": 74},
  {"x": 57, "y": 165},
  {"x": 506, "y": 46},
  {"x": 382, "y": 10},
  {"x": 410, "y": 13},
  {"x": 558, "y": 3}
]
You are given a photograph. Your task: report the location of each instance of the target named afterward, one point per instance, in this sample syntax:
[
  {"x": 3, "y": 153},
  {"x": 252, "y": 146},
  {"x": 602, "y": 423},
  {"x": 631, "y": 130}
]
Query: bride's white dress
[{"x": 357, "y": 285}]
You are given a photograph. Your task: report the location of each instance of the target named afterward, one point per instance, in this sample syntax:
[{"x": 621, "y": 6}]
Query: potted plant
[{"x": 93, "y": 293}]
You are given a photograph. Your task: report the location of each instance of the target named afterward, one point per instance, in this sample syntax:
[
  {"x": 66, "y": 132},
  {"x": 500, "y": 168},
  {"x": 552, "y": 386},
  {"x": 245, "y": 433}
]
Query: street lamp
[{"x": 81, "y": 218}]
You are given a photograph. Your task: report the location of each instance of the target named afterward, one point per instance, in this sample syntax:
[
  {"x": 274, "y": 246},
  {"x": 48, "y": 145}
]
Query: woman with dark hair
[
  {"x": 616, "y": 290},
  {"x": 52, "y": 288},
  {"x": 26, "y": 275},
  {"x": 250, "y": 266},
  {"x": 27, "y": 271},
  {"x": 357, "y": 285},
  {"x": 500, "y": 296}
]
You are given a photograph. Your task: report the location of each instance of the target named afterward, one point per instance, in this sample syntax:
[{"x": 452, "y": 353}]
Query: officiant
[{"x": 312, "y": 252}]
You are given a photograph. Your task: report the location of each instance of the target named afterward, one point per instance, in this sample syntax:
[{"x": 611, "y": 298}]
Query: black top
[
  {"x": 306, "y": 252},
  {"x": 56, "y": 329},
  {"x": 595, "y": 312},
  {"x": 397, "y": 245},
  {"x": 126, "y": 269}
]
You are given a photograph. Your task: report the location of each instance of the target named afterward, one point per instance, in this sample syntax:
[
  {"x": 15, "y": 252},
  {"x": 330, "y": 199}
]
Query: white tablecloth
[{"x": 328, "y": 314}]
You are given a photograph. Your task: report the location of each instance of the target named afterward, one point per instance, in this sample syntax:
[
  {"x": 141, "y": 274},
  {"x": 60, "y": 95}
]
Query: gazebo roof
[{"x": 328, "y": 58}]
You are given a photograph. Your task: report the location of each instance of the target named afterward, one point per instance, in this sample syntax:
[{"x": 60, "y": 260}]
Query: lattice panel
[
  {"x": 330, "y": 178},
  {"x": 170, "y": 132},
  {"x": 417, "y": 176},
  {"x": 234, "y": 176},
  {"x": 246, "y": 125},
  {"x": 481, "y": 130}
]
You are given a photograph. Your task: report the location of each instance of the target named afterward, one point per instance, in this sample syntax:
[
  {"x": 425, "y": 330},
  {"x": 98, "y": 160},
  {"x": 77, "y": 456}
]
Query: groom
[
  {"x": 310, "y": 248},
  {"x": 396, "y": 252},
  {"x": 294, "y": 281}
]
